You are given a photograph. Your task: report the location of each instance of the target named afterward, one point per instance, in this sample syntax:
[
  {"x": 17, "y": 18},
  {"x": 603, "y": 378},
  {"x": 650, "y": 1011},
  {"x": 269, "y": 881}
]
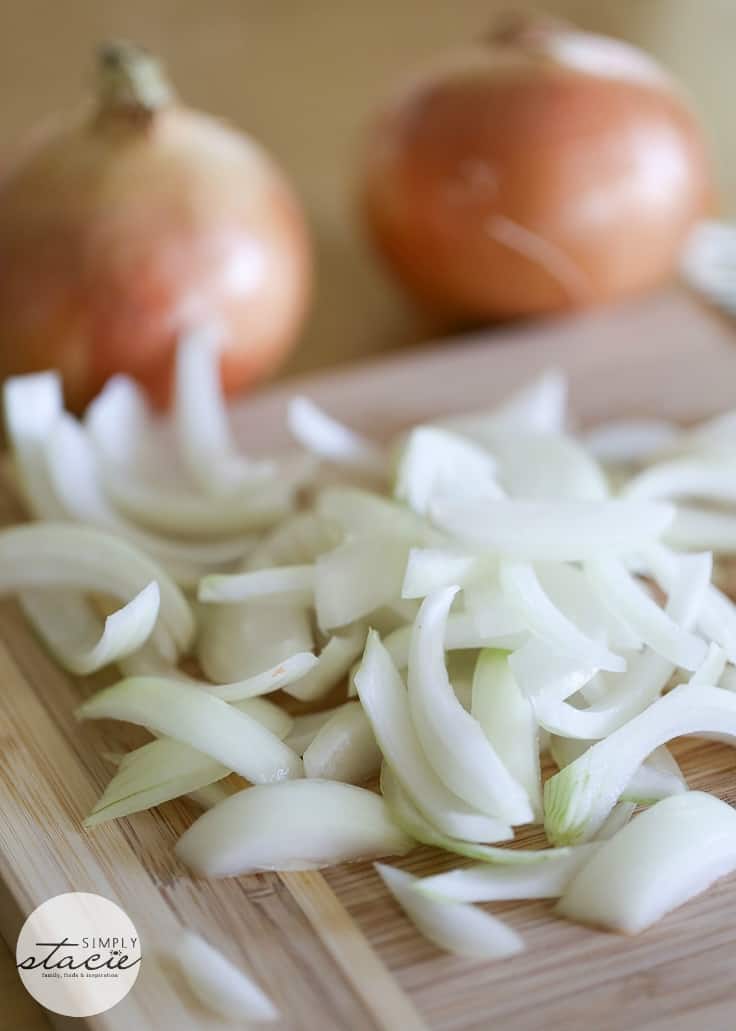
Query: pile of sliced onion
[{"x": 388, "y": 665}]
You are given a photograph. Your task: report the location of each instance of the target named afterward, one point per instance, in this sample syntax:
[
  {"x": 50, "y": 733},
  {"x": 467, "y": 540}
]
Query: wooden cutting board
[{"x": 332, "y": 949}]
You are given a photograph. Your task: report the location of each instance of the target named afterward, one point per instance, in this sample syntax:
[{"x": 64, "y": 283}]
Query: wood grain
[{"x": 365, "y": 967}]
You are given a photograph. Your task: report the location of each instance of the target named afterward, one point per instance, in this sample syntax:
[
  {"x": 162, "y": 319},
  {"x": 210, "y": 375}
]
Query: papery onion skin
[
  {"x": 123, "y": 227},
  {"x": 541, "y": 170}
]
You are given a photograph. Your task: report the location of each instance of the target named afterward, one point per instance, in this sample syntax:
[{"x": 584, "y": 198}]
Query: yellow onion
[
  {"x": 126, "y": 225},
  {"x": 541, "y": 169}
]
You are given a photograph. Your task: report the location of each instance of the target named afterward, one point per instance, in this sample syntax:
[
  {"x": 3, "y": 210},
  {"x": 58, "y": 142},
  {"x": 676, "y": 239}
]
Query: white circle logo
[{"x": 78, "y": 954}]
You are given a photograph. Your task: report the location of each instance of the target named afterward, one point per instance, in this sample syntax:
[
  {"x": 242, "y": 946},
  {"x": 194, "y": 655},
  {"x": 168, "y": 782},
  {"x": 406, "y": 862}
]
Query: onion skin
[
  {"x": 122, "y": 229},
  {"x": 516, "y": 178}
]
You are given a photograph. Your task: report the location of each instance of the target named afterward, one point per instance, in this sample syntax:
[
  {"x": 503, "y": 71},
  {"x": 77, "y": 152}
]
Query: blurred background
[{"x": 303, "y": 78}]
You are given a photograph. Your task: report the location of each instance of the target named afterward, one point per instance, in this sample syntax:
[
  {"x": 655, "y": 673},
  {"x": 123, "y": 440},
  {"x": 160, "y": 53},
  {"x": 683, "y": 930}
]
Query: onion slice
[
  {"x": 291, "y": 584},
  {"x": 31, "y": 407},
  {"x": 280, "y": 676},
  {"x": 326, "y": 437},
  {"x": 508, "y": 721},
  {"x": 90, "y": 560},
  {"x": 484, "y": 882},
  {"x": 293, "y": 825},
  {"x": 436, "y": 463},
  {"x": 221, "y": 986},
  {"x": 386, "y": 704},
  {"x": 564, "y": 531},
  {"x": 206, "y": 447},
  {"x": 451, "y": 926},
  {"x": 357, "y": 577},
  {"x": 334, "y": 663},
  {"x": 76, "y": 636},
  {"x": 239, "y": 641},
  {"x": 578, "y": 798},
  {"x": 664, "y": 857},
  {"x": 194, "y": 717},
  {"x": 344, "y": 748},
  {"x": 453, "y": 741}
]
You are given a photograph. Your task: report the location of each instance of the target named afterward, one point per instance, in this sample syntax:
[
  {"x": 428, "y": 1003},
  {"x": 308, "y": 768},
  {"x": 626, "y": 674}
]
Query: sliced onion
[
  {"x": 358, "y": 577},
  {"x": 540, "y": 405},
  {"x": 293, "y": 825},
  {"x": 386, "y": 705},
  {"x": 541, "y": 671},
  {"x": 320, "y": 433},
  {"x": 207, "y": 449},
  {"x": 305, "y": 728},
  {"x": 453, "y": 741},
  {"x": 76, "y": 636},
  {"x": 451, "y": 926},
  {"x": 73, "y": 471},
  {"x": 521, "y": 586},
  {"x": 535, "y": 466},
  {"x": 463, "y": 630},
  {"x": 578, "y": 798},
  {"x": 31, "y": 406},
  {"x": 359, "y": 512},
  {"x": 430, "y": 568},
  {"x": 570, "y": 590},
  {"x": 437, "y": 463},
  {"x": 239, "y": 641},
  {"x": 658, "y": 777},
  {"x": 291, "y": 584},
  {"x": 628, "y": 599},
  {"x": 221, "y": 986},
  {"x": 696, "y": 529},
  {"x": 344, "y": 748},
  {"x": 564, "y": 531},
  {"x": 489, "y": 610},
  {"x": 196, "y": 718},
  {"x": 119, "y": 421},
  {"x": 484, "y": 882},
  {"x": 165, "y": 769},
  {"x": 280, "y": 676},
  {"x": 334, "y": 663},
  {"x": 297, "y": 540},
  {"x": 664, "y": 857},
  {"x": 625, "y": 441},
  {"x": 714, "y": 480},
  {"x": 508, "y": 722},
  {"x": 60, "y": 555}
]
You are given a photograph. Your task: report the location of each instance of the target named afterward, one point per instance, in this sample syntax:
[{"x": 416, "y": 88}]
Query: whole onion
[
  {"x": 542, "y": 169},
  {"x": 124, "y": 226}
]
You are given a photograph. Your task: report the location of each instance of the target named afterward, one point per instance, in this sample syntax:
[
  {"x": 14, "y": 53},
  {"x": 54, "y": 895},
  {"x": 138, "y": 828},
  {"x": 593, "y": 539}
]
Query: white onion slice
[
  {"x": 358, "y": 577},
  {"x": 564, "y": 531},
  {"x": 569, "y": 589},
  {"x": 320, "y": 433},
  {"x": 360, "y": 512},
  {"x": 119, "y": 421},
  {"x": 508, "y": 722},
  {"x": 437, "y": 463},
  {"x": 521, "y": 586},
  {"x": 293, "y": 825},
  {"x": 274, "y": 679},
  {"x": 578, "y": 798},
  {"x": 540, "y": 406},
  {"x": 206, "y": 446},
  {"x": 31, "y": 406},
  {"x": 221, "y": 986},
  {"x": 484, "y": 882},
  {"x": 658, "y": 777},
  {"x": 537, "y": 466},
  {"x": 165, "y": 768},
  {"x": 451, "y": 926},
  {"x": 665, "y": 856},
  {"x": 334, "y": 662},
  {"x": 78, "y": 639},
  {"x": 73, "y": 471},
  {"x": 194, "y": 717},
  {"x": 615, "y": 821},
  {"x": 462, "y": 631},
  {"x": 291, "y": 584},
  {"x": 90, "y": 560},
  {"x": 344, "y": 748},
  {"x": 696, "y": 529},
  {"x": 711, "y": 669},
  {"x": 297, "y": 540},
  {"x": 714, "y": 480},
  {"x": 239, "y": 641},
  {"x": 625, "y": 441},
  {"x": 430, "y": 568},
  {"x": 540, "y": 671},
  {"x": 453, "y": 741},
  {"x": 386, "y": 704},
  {"x": 628, "y": 599},
  {"x": 305, "y": 727}
]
